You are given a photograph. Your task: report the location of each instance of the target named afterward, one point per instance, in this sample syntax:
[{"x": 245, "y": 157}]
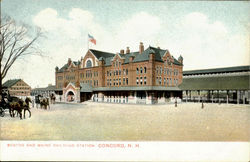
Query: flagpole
[{"x": 88, "y": 41}]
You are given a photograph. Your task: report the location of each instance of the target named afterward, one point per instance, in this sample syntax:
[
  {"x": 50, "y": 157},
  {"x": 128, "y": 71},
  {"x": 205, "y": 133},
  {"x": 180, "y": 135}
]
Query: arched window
[
  {"x": 145, "y": 70},
  {"x": 89, "y": 63}
]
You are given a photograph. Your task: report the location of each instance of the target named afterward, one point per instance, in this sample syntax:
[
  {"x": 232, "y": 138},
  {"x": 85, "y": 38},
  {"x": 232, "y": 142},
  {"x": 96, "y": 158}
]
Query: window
[
  {"x": 156, "y": 70},
  {"x": 116, "y": 72},
  {"x": 164, "y": 81},
  {"x": 164, "y": 70},
  {"x": 119, "y": 64},
  {"x": 141, "y": 80},
  {"x": 145, "y": 80},
  {"x": 127, "y": 81},
  {"x": 137, "y": 80},
  {"x": 107, "y": 82},
  {"x": 160, "y": 70},
  {"x": 89, "y": 64},
  {"x": 167, "y": 71},
  {"x": 120, "y": 72},
  {"x": 170, "y": 81},
  {"x": 123, "y": 81},
  {"x": 107, "y": 73},
  {"x": 176, "y": 81},
  {"x": 114, "y": 81},
  {"x": 160, "y": 80},
  {"x": 141, "y": 70},
  {"x": 126, "y": 71},
  {"x": 145, "y": 70},
  {"x": 119, "y": 81},
  {"x": 60, "y": 77},
  {"x": 157, "y": 81},
  {"x": 137, "y": 70}
]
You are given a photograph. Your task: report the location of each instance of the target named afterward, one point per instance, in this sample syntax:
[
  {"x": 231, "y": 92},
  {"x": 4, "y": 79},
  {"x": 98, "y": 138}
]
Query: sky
[{"x": 208, "y": 34}]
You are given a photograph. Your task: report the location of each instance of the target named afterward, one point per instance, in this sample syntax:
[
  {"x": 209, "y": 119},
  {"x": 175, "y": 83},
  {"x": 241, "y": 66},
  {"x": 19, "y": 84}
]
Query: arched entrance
[{"x": 70, "y": 96}]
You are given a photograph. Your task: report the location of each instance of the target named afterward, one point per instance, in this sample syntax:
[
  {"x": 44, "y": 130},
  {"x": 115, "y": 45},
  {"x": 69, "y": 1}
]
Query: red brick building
[{"x": 147, "y": 76}]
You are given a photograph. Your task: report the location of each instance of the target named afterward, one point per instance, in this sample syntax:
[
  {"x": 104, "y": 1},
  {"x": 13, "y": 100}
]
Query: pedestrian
[
  {"x": 202, "y": 104},
  {"x": 33, "y": 103},
  {"x": 60, "y": 98},
  {"x": 175, "y": 102}
]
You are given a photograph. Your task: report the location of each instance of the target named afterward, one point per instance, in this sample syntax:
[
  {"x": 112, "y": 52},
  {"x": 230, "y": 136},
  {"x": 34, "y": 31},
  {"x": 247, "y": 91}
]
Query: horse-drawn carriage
[
  {"x": 42, "y": 101},
  {"x": 14, "y": 104}
]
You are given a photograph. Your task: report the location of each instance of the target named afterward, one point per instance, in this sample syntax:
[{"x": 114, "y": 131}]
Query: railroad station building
[
  {"x": 147, "y": 76},
  {"x": 218, "y": 85}
]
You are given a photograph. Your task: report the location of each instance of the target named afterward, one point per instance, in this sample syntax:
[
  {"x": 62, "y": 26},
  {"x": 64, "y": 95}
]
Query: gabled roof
[
  {"x": 63, "y": 68},
  {"x": 76, "y": 62},
  {"x": 10, "y": 83},
  {"x": 99, "y": 54}
]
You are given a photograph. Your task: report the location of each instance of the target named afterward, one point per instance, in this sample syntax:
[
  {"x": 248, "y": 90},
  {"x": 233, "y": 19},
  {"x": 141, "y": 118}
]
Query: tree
[{"x": 16, "y": 42}]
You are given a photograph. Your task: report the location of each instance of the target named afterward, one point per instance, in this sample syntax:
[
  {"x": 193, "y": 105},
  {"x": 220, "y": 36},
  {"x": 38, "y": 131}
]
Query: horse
[
  {"x": 52, "y": 98},
  {"x": 26, "y": 106},
  {"x": 44, "y": 103},
  {"x": 15, "y": 104},
  {"x": 37, "y": 100},
  {"x": 18, "y": 105}
]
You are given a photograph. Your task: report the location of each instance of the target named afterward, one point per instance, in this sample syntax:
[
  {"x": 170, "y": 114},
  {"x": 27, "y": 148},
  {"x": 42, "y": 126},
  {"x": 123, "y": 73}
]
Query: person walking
[{"x": 202, "y": 104}]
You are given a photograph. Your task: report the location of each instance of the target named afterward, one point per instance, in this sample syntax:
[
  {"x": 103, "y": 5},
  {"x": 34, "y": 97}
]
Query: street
[{"x": 124, "y": 122}]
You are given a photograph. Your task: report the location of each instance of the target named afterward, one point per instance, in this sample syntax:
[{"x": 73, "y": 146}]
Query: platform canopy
[{"x": 216, "y": 82}]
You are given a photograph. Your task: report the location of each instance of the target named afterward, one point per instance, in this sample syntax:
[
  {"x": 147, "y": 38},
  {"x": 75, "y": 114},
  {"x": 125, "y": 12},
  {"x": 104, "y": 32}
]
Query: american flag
[{"x": 92, "y": 39}]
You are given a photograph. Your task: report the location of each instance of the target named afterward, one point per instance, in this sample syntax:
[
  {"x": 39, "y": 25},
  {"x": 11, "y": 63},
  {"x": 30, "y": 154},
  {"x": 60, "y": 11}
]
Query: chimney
[
  {"x": 69, "y": 61},
  {"x": 141, "y": 48},
  {"x": 180, "y": 59},
  {"x": 127, "y": 50},
  {"x": 122, "y": 51}
]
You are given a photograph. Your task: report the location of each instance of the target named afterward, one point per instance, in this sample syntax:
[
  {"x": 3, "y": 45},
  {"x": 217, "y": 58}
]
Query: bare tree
[{"x": 16, "y": 42}]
